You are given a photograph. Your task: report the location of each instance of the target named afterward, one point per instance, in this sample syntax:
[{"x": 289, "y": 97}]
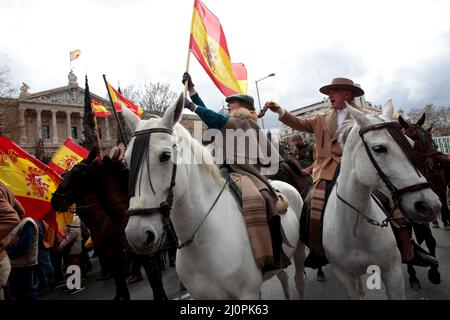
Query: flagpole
[
  {"x": 187, "y": 70},
  {"x": 100, "y": 148},
  {"x": 115, "y": 113},
  {"x": 189, "y": 54}
]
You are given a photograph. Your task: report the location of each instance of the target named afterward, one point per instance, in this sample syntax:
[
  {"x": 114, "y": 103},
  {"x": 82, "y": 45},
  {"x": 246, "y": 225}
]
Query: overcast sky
[{"x": 397, "y": 49}]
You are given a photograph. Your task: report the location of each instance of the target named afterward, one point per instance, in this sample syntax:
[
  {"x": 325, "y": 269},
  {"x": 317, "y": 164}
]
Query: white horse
[
  {"x": 351, "y": 243},
  {"x": 218, "y": 263}
]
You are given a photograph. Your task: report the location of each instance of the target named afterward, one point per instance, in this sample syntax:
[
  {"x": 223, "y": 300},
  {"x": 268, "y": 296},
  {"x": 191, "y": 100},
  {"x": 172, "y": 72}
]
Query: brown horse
[
  {"x": 432, "y": 164},
  {"x": 100, "y": 190}
]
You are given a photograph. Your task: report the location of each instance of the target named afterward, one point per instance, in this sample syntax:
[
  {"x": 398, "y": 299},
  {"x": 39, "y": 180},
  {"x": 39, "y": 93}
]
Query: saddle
[
  {"x": 235, "y": 185},
  {"x": 263, "y": 231}
]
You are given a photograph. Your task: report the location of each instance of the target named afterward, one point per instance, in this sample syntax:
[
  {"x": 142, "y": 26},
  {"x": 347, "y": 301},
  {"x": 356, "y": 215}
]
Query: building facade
[{"x": 48, "y": 118}]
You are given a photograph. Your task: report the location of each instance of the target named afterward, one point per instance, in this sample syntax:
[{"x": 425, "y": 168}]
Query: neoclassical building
[{"x": 53, "y": 115}]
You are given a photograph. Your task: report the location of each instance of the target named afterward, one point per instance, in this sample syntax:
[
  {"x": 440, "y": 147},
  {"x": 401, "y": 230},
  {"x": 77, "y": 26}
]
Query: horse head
[
  {"x": 74, "y": 185},
  {"x": 382, "y": 159},
  {"x": 152, "y": 157}
]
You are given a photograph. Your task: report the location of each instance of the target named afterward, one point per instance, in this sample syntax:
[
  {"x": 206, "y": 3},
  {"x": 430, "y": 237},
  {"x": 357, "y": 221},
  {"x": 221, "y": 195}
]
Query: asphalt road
[{"x": 271, "y": 289}]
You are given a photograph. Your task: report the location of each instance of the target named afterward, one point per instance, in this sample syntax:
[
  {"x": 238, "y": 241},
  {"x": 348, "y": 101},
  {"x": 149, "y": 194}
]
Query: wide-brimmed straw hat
[{"x": 342, "y": 83}]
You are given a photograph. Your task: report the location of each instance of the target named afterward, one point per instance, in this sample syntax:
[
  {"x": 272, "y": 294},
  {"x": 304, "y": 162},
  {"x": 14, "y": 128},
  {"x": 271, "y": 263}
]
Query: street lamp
[{"x": 257, "y": 92}]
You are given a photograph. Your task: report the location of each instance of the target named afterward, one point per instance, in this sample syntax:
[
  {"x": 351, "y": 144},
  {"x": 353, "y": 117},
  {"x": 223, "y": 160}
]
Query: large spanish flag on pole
[
  {"x": 32, "y": 182},
  {"x": 209, "y": 46},
  {"x": 120, "y": 101},
  {"x": 68, "y": 155}
]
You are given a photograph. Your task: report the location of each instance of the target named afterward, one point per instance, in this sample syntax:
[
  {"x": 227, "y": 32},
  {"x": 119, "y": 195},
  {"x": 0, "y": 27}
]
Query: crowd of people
[{"x": 34, "y": 258}]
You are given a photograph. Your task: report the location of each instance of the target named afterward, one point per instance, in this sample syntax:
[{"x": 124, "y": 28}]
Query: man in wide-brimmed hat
[
  {"x": 328, "y": 154},
  {"x": 324, "y": 126}
]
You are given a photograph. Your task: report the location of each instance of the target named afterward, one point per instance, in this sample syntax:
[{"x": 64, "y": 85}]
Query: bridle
[
  {"x": 165, "y": 207},
  {"x": 81, "y": 208},
  {"x": 394, "y": 129}
]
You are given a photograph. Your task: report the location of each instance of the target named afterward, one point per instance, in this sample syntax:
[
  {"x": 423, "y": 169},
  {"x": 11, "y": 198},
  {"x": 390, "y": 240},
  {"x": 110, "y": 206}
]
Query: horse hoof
[
  {"x": 435, "y": 225},
  {"x": 434, "y": 276},
  {"x": 415, "y": 284},
  {"x": 321, "y": 276}
]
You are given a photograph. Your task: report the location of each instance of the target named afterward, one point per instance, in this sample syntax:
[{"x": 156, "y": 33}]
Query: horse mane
[{"x": 202, "y": 155}]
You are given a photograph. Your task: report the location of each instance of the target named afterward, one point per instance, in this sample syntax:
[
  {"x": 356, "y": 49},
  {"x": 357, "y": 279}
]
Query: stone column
[
  {"x": 23, "y": 136},
  {"x": 108, "y": 135},
  {"x": 54, "y": 127},
  {"x": 69, "y": 124},
  {"x": 81, "y": 135},
  {"x": 39, "y": 123}
]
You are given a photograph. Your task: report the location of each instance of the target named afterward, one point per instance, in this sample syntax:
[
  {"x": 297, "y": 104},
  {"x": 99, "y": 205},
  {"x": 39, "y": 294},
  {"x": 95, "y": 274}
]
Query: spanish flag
[
  {"x": 240, "y": 72},
  {"x": 32, "y": 182},
  {"x": 68, "y": 155},
  {"x": 98, "y": 109},
  {"x": 209, "y": 46},
  {"x": 120, "y": 101},
  {"x": 74, "y": 54}
]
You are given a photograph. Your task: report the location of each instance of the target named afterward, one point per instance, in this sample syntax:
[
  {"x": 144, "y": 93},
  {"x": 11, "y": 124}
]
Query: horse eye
[
  {"x": 165, "y": 156},
  {"x": 379, "y": 149}
]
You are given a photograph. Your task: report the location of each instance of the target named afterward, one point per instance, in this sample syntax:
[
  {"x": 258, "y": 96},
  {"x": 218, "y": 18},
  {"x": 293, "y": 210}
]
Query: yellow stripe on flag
[{"x": 218, "y": 60}]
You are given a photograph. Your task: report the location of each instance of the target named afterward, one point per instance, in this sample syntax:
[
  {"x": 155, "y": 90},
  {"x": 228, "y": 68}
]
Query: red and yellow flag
[
  {"x": 209, "y": 46},
  {"x": 68, "y": 155},
  {"x": 120, "y": 101},
  {"x": 32, "y": 182},
  {"x": 240, "y": 72},
  {"x": 99, "y": 109},
  {"x": 74, "y": 54}
]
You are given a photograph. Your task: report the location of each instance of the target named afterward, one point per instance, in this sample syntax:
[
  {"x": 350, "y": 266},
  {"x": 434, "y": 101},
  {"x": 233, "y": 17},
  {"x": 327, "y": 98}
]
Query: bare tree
[
  {"x": 6, "y": 89},
  {"x": 153, "y": 98},
  {"x": 439, "y": 117}
]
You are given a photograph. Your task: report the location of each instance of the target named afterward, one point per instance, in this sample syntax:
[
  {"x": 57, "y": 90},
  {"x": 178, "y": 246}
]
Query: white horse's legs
[
  {"x": 394, "y": 282},
  {"x": 299, "y": 259},
  {"x": 349, "y": 283},
  {"x": 284, "y": 279}
]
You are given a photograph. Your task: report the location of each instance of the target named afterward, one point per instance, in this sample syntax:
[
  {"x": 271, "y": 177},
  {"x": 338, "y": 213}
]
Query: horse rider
[
  {"x": 242, "y": 115},
  {"x": 328, "y": 158},
  {"x": 303, "y": 153}
]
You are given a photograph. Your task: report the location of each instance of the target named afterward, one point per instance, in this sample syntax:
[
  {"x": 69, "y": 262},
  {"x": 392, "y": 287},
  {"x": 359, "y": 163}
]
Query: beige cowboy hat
[{"x": 342, "y": 83}]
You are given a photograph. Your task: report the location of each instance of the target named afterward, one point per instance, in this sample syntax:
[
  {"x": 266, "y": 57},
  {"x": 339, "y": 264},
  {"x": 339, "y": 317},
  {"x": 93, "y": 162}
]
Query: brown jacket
[
  {"x": 263, "y": 157},
  {"x": 328, "y": 150},
  {"x": 10, "y": 209}
]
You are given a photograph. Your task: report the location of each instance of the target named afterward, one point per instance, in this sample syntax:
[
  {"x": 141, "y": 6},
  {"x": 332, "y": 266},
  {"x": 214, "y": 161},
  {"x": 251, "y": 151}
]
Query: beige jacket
[{"x": 328, "y": 150}]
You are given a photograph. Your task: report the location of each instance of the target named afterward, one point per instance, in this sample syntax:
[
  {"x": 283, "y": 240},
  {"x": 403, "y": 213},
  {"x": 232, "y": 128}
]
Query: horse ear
[
  {"x": 92, "y": 155},
  {"x": 358, "y": 116},
  {"x": 388, "y": 111},
  {"x": 430, "y": 128},
  {"x": 403, "y": 123},
  {"x": 131, "y": 119},
  {"x": 421, "y": 120},
  {"x": 174, "y": 112}
]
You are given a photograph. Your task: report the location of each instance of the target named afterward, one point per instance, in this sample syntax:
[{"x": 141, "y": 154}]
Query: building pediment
[{"x": 67, "y": 95}]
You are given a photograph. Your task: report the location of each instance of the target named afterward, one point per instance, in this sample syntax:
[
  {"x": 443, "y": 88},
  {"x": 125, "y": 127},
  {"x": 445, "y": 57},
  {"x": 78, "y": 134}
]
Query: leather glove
[
  {"x": 189, "y": 105},
  {"x": 187, "y": 77}
]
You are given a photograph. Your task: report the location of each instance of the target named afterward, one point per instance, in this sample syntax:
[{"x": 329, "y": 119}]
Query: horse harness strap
[
  {"x": 191, "y": 238},
  {"x": 395, "y": 131},
  {"x": 166, "y": 206},
  {"x": 381, "y": 224}
]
